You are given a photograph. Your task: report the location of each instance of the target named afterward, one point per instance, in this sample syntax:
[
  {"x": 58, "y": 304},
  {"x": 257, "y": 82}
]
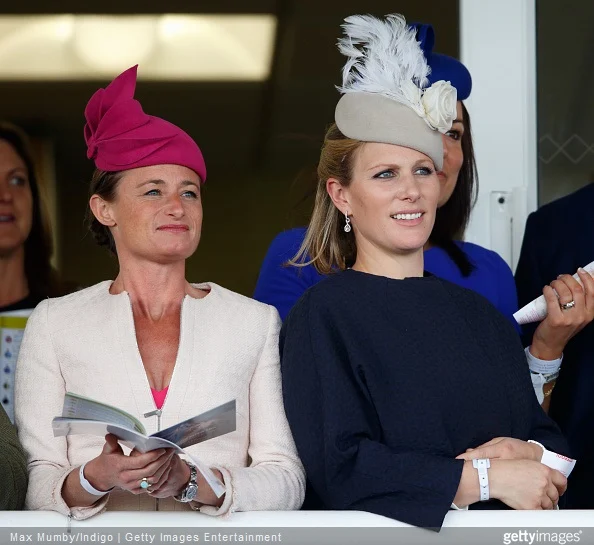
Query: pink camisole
[{"x": 159, "y": 396}]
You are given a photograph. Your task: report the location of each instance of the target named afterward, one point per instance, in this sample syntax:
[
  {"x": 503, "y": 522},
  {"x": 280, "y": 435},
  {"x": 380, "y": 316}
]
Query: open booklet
[{"x": 81, "y": 415}]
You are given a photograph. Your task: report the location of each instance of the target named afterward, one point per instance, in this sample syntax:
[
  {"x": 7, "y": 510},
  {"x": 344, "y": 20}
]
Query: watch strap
[{"x": 192, "y": 485}]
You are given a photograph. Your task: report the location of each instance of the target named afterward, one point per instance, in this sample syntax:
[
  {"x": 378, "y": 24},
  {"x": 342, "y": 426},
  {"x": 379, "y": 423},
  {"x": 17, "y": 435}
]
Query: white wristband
[
  {"x": 88, "y": 486},
  {"x": 482, "y": 465},
  {"x": 561, "y": 463},
  {"x": 542, "y": 367}
]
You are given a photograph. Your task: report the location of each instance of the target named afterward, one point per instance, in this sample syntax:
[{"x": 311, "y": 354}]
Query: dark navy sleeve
[
  {"x": 507, "y": 349},
  {"x": 508, "y": 301},
  {"x": 279, "y": 284},
  {"x": 503, "y": 343},
  {"x": 544, "y": 429},
  {"x": 529, "y": 277},
  {"x": 339, "y": 436}
]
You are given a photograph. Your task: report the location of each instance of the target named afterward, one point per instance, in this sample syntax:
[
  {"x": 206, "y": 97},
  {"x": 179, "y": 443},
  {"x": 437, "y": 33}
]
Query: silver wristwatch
[{"x": 190, "y": 492}]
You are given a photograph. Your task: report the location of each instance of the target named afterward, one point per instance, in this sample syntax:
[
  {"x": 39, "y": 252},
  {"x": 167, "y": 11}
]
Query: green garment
[{"x": 13, "y": 466}]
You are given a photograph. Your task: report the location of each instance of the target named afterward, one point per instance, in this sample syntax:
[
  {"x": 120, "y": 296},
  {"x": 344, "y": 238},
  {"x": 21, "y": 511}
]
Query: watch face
[{"x": 191, "y": 492}]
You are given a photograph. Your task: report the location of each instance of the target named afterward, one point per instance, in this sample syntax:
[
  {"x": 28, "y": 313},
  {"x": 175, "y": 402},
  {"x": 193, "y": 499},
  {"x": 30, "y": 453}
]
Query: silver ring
[
  {"x": 567, "y": 306},
  {"x": 144, "y": 483}
]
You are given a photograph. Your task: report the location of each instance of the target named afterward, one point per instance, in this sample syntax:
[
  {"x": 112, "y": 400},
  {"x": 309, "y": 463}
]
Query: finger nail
[{"x": 583, "y": 271}]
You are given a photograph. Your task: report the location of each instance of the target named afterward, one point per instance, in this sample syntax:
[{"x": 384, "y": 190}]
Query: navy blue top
[
  {"x": 559, "y": 238},
  {"x": 282, "y": 286},
  {"x": 386, "y": 381}
]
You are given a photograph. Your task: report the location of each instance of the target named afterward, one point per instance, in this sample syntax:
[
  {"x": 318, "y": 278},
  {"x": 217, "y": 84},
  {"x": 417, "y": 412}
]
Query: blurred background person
[{"x": 26, "y": 273}]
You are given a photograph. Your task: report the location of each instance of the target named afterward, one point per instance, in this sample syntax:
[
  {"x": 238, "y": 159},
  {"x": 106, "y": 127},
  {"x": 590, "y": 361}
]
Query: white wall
[{"x": 498, "y": 45}]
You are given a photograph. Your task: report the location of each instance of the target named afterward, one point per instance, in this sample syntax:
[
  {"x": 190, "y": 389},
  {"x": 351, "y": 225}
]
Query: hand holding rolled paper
[{"x": 536, "y": 310}]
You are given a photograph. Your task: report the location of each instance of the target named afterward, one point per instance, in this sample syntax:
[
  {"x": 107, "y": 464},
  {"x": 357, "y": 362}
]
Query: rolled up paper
[
  {"x": 536, "y": 310},
  {"x": 561, "y": 463}
]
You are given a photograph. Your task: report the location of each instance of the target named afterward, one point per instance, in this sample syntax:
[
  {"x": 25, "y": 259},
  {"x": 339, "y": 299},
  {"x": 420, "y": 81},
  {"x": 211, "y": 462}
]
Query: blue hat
[{"x": 443, "y": 67}]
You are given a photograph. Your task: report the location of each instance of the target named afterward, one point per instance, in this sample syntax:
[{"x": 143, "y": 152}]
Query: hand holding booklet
[{"x": 81, "y": 415}]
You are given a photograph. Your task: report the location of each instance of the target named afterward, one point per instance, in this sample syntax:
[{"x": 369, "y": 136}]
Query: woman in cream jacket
[{"x": 152, "y": 344}]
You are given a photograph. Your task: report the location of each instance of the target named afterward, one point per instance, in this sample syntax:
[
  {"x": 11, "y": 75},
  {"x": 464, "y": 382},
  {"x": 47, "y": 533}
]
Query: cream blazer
[{"x": 86, "y": 343}]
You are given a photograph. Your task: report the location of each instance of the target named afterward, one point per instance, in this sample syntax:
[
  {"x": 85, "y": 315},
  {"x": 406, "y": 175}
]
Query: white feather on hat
[
  {"x": 381, "y": 56},
  {"x": 385, "y": 58}
]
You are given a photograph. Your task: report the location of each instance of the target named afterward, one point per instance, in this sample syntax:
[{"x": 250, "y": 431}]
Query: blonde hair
[{"x": 326, "y": 245}]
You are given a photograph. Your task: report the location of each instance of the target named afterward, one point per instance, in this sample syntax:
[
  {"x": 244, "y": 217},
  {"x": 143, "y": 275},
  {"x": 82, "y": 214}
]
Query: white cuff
[
  {"x": 456, "y": 508},
  {"x": 543, "y": 367},
  {"x": 561, "y": 463},
  {"x": 88, "y": 486}
]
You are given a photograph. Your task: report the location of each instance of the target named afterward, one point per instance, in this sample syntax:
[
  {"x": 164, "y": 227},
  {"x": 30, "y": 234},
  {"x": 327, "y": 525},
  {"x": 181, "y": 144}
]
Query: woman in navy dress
[{"x": 390, "y": 376}]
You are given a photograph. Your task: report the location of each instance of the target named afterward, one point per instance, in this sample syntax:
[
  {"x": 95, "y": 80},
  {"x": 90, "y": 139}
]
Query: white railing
[{"x": 280, "y": 519}]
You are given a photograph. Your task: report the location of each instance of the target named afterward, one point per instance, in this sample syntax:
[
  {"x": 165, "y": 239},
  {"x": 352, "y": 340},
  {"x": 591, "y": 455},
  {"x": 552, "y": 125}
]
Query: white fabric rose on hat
[
  {"x": 439, "y": 102},
  {"x": 414, "y": 95}
]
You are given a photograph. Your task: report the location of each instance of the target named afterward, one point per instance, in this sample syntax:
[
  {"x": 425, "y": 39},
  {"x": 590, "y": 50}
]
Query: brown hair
[
  {"x": 326, "y": 245},
  {"x": 42, "y": 278},
  {"x": 452, "y": 218},
  {"x": 103, "y": 184}
]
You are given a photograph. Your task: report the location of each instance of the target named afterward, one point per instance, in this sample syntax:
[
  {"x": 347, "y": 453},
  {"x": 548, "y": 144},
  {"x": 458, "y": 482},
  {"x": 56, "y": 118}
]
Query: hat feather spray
[{"x": 385, "y": 58}]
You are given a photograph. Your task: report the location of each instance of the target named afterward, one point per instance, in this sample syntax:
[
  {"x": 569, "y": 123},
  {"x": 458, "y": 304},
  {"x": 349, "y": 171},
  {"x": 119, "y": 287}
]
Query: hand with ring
[
  {"x": 570, "y": 307},
  {"x": 159, "y": 482},
  {"x": 137, "y": 473},
  {"x": 172, "y": 481}
]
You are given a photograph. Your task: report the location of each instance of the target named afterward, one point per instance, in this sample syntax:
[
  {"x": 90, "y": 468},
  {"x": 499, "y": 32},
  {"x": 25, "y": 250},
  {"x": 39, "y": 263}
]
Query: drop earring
[{"x": 347, "y": 225}]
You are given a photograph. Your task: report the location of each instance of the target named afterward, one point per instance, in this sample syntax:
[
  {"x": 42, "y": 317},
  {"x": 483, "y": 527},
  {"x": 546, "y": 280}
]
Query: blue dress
[{"x": 282, "y": 286}]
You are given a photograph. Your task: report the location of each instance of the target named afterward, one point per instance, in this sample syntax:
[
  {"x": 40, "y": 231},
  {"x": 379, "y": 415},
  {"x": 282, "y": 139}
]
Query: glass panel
[{"x": 565, "y": 78}]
